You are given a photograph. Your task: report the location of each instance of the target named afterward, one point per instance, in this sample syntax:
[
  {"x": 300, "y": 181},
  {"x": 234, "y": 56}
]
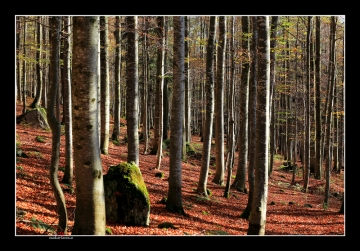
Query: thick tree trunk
[
  {"x": 257, "y": 220},
  {"x": 90, "y": 199},
  {"x": 174, "y": 201}
]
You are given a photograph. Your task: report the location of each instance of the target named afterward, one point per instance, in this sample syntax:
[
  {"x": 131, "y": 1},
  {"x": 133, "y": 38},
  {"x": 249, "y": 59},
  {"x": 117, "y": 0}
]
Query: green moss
[{"x": 132, "y": 174}]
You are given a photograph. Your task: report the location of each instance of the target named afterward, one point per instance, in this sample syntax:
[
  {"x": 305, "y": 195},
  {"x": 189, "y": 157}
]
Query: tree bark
[
  {"x": 90, "y": 198},
  {"x": 174, "y": 201},
  {"x": 257, "y": 220},
  {"x": 55, "y": 125},
  {"x": 208, "y": 124},
  {"x": 132, "y": 90},
  {"x": 219, "y": 104},
  {"x": 105, "y": 85}
]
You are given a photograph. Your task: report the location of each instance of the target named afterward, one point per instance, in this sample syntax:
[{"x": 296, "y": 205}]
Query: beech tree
[
  {"x": 90, "y": 198},
  {"x": 54, "y": 124},
  {"x": 174, "y": 200},
  {"x": 117, "y": 107},
  {"x": 105, "y": 85},
  {"x": 240, "y": 179},
  {"x": 132, "y": 93},
  {"x": 257, "y": 219},
  {"x": 208, "y": 124},
  {"x": 219, "y": 103},
  {"x": 69, "y": 160}
]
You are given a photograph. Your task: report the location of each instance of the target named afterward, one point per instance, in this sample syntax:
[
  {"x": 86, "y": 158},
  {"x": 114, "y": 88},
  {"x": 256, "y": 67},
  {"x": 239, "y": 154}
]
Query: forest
[{"x": 207, "y": 125}]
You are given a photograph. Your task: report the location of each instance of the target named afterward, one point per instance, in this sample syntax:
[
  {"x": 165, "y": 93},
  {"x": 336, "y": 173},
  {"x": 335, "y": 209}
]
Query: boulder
[
  {"x": 35, "y": 117},
  {"x": 126, "y": 196}
]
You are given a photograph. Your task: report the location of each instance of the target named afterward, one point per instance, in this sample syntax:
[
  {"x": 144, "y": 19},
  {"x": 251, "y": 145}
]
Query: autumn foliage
[{"x": 289, "y": 211}]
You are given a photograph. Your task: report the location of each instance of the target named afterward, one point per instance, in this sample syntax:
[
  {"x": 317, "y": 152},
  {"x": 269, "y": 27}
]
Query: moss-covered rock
[
  {"x": 36, "y": 117},
  {"x": 126, "y": 196}
]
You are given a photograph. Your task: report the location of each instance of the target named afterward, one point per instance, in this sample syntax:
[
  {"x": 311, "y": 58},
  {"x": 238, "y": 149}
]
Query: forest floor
[{"x": 289, "y": 210}]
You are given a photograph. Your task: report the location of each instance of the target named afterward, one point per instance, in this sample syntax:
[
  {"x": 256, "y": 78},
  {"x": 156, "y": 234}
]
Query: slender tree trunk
[
  {"x": 105, "y": 85},
  {"x": 329, "y": 109},
  {"x": 274, "y": 23},
  {"x": 160, "y": 86},
  {"x": 240, "y": 180},
  {"x": 174, "y": 201},
  {"x": 69, "y": 166},
  {"x": 307, "y": 117},
  {"x": 187, "y": 82},
  {"x": 231, "y": 134},
  {"x": 18, "y": 72},
  {"x": 37, "y": 99},
  {"x": 318, "y": 159},
  {"x": 117, "y": 34},
  {"x": 252, "y": 118},
  {"x": 132, "y": 90},
  {"x": 219, "y": 104},
  {"x": 55, "y": 125},
  {"x": 24, "y": 70},
  {"x": 207, "y": 133},
  {"x": 145, "y": 128}
]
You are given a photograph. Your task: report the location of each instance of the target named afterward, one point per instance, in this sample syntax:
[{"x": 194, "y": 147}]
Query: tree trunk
[
  {"x": 257, "y": 220},
  {"x": 252, "y": 117},
  {"x": 307, "y": 113},
  {"x": 160, "y": 87},
  {"x": 55, "y": 125},
  {"x": 69, "y": 166},
  {"x": 332, "y": 68},
  {"x": 117, "y": 34},
  {"x": 208, "y": 124},
  {"x": 240, "y": 180},
  {"x": 174, "y": 201},
  {"x": 132, "y": 90},
  {"x": 219, "y": 104},
  {"x": 105, "y": 85},
  {"x": 37, "y": 99},
  {"x": 90, "y": 198},
  {"x": 24, "y": 71}
]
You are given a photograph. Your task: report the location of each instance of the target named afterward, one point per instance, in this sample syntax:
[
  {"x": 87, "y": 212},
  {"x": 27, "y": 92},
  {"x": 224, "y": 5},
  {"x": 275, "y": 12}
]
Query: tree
[
  {"x": 252, "y": 117},
  {"x": 307, "y": 118},
  {"x": 240, "y": 179},
  {"x": 23, "y": 76},
  {"x": 104, "y": 82},
  {"x": 231, "y": 134},
  {"x": 55, "y": 124},
  {"x": 69, "y": 160},
  {"x": 207, "y": 134},
  {"x": 318, "y": 158},
  {"x": 18, "y": 78},
  {"x": 159, "y": 88},
  {"x": 117, "y": 34},
  {"x": 257, "y": 219},
  {"x": 219, "y": 103},
  {"x": 328, "y": 159},
  {"x": 132, "y": 95},
  {"x": 37, "y": 99},
  {"x": 174, "y": 200},
  {"x": 90, "y": 199}
]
